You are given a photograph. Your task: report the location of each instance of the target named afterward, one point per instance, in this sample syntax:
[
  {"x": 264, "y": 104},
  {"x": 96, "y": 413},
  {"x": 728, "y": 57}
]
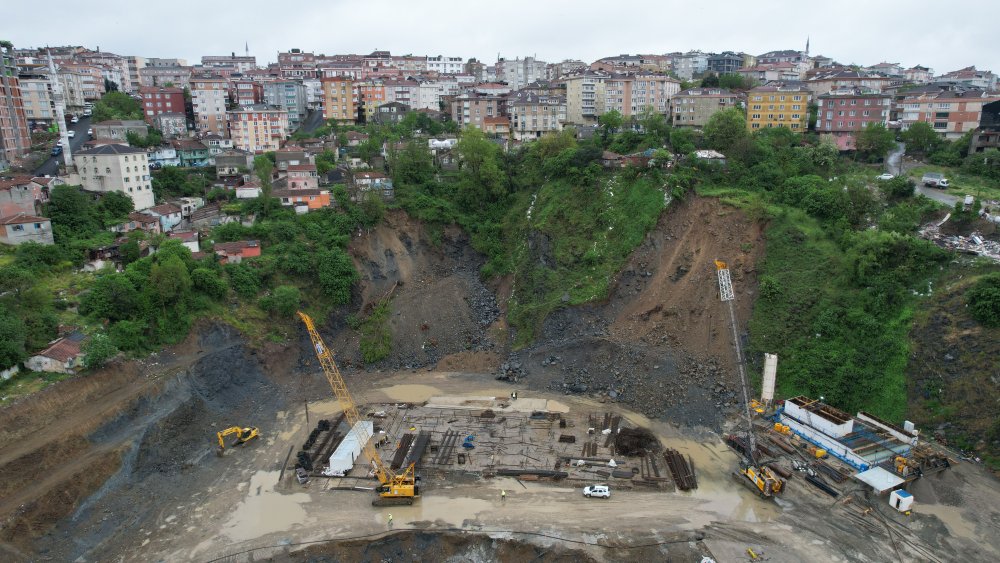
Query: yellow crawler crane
[
  {"x": 394, "y": 488},
  {"x": 751, "y": 473}
]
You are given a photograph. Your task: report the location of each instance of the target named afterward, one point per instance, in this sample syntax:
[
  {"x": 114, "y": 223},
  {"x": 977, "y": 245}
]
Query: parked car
[
  {"x": 600, "y": 491},
  {"x": 71, "y": 134},
  {"x": 90, "y": 133},
  {"x": 885, "y": 176},
  {"x": 56, "y": 150},
  {"x": 74, "y": 119}
]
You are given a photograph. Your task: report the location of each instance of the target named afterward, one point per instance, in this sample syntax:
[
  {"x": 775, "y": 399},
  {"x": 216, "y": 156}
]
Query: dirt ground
[{"x": 119, "y": 464}]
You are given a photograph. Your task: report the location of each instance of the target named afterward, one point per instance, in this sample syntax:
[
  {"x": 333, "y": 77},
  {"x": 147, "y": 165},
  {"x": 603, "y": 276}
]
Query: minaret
[
  {"x": 807, "y": 45},
  {"x": 247, "y": 47},
  {"x": 60, "y": 103}
]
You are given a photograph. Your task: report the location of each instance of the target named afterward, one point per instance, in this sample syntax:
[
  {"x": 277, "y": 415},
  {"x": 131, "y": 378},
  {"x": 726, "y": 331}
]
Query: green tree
[
  {"x": 112, "y": 297},
  {"x": 72, "y": 214},
  {"x": 336, "y": 274},
  {"x": 116, "y": 105},
  {"x": 263, "y": 167},
  {"x": 152, "y": 138},
  {"x": 734, "y": 82},
  {"x": 129, "y": 335},
  {"x": 208, "y": 282},
  {"x": 920, "y": 138},
  {"x": 98, "y": 350},
  {"x": 710, "y": 81},
  {"x": 899, "y": 187},
  {"x": 15, "y": 279},
  {"x": 725, "y": 129},
  {"x": 655, "y": 127},
  {"x": 243, "y": 279},
  {"x": 482, "y": 179},
  {"x": 170, "y": 282},
  {"x": 875, "y": 141},
  {"x": 114, "y": 208},
  {"x": 984, "y": 300},
  {"x": 610, "y": 123},
  {"x": 284, "y": 301},
  {"x": 412, "y": 166},
  {"x": 12, "y": 338},
  {"x": 682, "y": 140}
]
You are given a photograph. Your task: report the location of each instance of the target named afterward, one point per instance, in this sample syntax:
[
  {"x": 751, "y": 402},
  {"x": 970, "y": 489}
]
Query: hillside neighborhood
[{"x": 750, "y": 303}]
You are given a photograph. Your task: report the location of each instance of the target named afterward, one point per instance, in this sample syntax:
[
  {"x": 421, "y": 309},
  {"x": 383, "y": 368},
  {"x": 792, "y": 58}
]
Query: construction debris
[{"x": 973, "y": 244}]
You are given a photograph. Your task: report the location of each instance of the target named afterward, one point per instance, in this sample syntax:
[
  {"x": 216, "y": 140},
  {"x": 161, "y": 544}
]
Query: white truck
[{"x": 935, "y": 180}]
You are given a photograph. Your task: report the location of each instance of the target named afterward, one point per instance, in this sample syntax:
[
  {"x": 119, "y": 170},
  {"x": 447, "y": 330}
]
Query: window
[
  {"x": 796, "y": 98},
  {"x": 755, "y": 116},
  {"x": 940, "y": 124},
  {"x": 18, "y": 227}
]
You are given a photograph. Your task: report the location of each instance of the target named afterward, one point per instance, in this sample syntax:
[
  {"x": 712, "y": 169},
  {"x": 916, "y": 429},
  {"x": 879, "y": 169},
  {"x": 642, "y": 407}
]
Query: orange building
[
  {"x": 310, "y": 198},
  {"x": 338, "y": 99}
]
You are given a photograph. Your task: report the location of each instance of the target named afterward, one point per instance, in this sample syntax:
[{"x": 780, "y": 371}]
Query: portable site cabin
[{"x": 342, "y": 459}]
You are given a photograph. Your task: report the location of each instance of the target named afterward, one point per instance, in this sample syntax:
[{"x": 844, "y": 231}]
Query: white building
[
  {"x": 518, "y": 73},
  {"x": 258, "y": 128},
  {"x": 116, "y": 168},
  {"x": 445, "y": 65}
]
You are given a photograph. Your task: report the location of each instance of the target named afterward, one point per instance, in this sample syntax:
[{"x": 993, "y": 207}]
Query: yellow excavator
[
  {"x": 243, "y": 435},
  {"x": 394, "y": 488}
]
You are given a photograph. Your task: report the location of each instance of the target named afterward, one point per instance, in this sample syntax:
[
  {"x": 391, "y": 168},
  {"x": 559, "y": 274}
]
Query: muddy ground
[{"x": 119, "y": 464}]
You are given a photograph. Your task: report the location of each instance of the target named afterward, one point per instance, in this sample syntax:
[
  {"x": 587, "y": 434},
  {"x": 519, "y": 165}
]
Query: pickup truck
[{"x": 935, "y": 180}]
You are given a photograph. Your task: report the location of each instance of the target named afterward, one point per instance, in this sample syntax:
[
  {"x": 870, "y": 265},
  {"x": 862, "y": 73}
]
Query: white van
[{"x": 600, "y": 491}]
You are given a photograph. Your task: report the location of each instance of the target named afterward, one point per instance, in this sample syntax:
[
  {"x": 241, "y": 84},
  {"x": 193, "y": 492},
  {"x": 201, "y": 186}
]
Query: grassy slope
[{"x": 577, "y": 238}]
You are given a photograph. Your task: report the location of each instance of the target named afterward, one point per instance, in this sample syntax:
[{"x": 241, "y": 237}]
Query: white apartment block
[
  {"x": 518, "y": 73},
  {"x": 116, "y": 168},
  {"x": 445, "y": 65}
]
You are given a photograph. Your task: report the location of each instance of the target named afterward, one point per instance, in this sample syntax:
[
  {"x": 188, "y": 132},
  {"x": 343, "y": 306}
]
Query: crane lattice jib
[
  {"x": 332, "y": 373},
  {"x": 728, "y": 296}
]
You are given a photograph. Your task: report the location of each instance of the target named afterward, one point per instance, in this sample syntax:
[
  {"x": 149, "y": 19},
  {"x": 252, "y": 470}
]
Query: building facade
[
  {"x": 469, "y": 110},
  {"x": 258, "y": 128},
  {"x": 778, "y": 105},
  {"x": 208, "y": 101},
  {"x": 158, "y": 100},
  {"x": 844, "y": 113},
  {"x": 695, "y": 106},
  {"x": 338, "y": 99},
  {"x": 15, "y": 140},
  {"x": 532, "y": 115},
  {"x": 445, "y": 65},
  {"x": 290, "y": 95},
  {"x": 951, "y": 109},
  {"x": 119, "y": 130},
  {"x": 116, "y": 168}
]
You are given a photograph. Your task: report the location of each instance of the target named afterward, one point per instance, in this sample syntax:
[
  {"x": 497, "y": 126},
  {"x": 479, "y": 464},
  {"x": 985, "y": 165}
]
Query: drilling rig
[{"x": 752, "y": 472}]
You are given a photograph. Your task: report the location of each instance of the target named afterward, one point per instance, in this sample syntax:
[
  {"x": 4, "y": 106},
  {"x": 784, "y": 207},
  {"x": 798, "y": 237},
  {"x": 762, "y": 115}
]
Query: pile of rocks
[{"x": 511, "y": 371}]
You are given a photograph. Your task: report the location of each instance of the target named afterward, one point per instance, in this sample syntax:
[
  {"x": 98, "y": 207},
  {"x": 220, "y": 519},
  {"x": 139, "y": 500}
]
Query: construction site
[{"x": 218, "y": 450}]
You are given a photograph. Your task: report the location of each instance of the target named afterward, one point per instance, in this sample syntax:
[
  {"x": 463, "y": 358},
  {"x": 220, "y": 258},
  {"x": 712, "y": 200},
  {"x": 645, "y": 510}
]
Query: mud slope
[
  {"x": 440, "y": 307},
  {"x": 142, "y": 431},
  {"x": 661, "y": 340}
]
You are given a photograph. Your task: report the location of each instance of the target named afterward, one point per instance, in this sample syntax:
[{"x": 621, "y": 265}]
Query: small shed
[
  {"x": 879, "y": 479},
  {"x": 901, "y": 500}
]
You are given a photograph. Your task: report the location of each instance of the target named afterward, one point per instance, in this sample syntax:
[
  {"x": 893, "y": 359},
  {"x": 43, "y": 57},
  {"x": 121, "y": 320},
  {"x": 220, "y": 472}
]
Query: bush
[
  {"x": 98, "y": 350},
  {"x": 283, "y": 302},
  {"x": 984, "y": 300},
  {"x": 243, "y": 279},
  {"x": 899, "y": 187},
  {"x": 209, "y": 283}
]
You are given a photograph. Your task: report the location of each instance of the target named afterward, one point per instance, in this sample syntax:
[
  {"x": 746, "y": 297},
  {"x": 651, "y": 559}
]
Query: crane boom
[
  {"x": 729, "y": 297},
  {"x": 393, "y": 485}
]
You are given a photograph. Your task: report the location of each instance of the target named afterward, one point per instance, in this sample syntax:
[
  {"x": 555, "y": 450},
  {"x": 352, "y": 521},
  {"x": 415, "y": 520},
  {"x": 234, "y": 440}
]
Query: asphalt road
[
  {"x": 51, "y": 166},
  {"x": 894, "y": 165}
]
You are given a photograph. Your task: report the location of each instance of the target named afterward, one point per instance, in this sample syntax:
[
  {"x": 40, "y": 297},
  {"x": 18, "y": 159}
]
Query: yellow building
[
  {"x": 338, "y": 99},
  {"x": 778, "y": 105}
]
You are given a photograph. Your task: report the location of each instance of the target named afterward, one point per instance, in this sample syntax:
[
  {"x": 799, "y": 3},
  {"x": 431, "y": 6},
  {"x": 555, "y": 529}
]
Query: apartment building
[
  {"x": 170, "y": 76},
  {"x": 844, "y": 113},
  {"x": 532, "y": 115},
  {"x": 208, "y": 101},
  {"x": 585, "y": 96},
  {"x": 15, "y": 140},
  {"x": 36, "y": 94},
  {"x": 821, "y": 81},
  {"x": 159, "y": 100},
  {"x": 246, "y": 92},
  {"x": 919, "y": 74},
  {"x": 296, "y": 64},
  {"x": 135, "y": 64},
  {"x": 118, "y": 130},
  {"x": 85, "y": 82},
  {"x": 445, "y": 65},
  {"x": 952, "y": 109},
  {"x": 778, "y": 105},
  {"x": 726, "y": 62},
  {"x": 518, "y": 73},
  {"x": 116, "y": 168},
  {"x": 695, "y": 106},
  {"x": 338, "y": 99},
  {"x": 969, "y": 76},
  {"x": 290, "y": 95},
  {"x": 368, "y": 96},
  {"x": 236, "y": 64},
  {"x": 470, "y": 109},
  {"x": 259, "y": 128},
  {"x": 631, "y": 94}
]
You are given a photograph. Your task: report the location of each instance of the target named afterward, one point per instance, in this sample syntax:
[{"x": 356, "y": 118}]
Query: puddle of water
[
  {"x": 452, "y": 511},
  {"x": 952, "y": 518},
  {"x": 408, "y": 393},
  {"x": 264, "y": 511}
]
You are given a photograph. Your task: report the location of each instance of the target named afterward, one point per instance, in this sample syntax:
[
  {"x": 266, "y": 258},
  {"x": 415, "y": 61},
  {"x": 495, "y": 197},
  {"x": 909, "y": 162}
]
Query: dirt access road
[{"x": 245, "y": 512}]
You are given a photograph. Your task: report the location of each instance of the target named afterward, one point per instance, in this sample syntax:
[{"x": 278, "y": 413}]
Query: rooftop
[
  {"x": 21, "y": 218},
  {"x": 114, "y": 149}
]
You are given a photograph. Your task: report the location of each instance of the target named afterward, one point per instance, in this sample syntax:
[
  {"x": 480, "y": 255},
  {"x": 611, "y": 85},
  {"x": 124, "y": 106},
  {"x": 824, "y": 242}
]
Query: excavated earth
[{"x": 99, "y": 465}]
